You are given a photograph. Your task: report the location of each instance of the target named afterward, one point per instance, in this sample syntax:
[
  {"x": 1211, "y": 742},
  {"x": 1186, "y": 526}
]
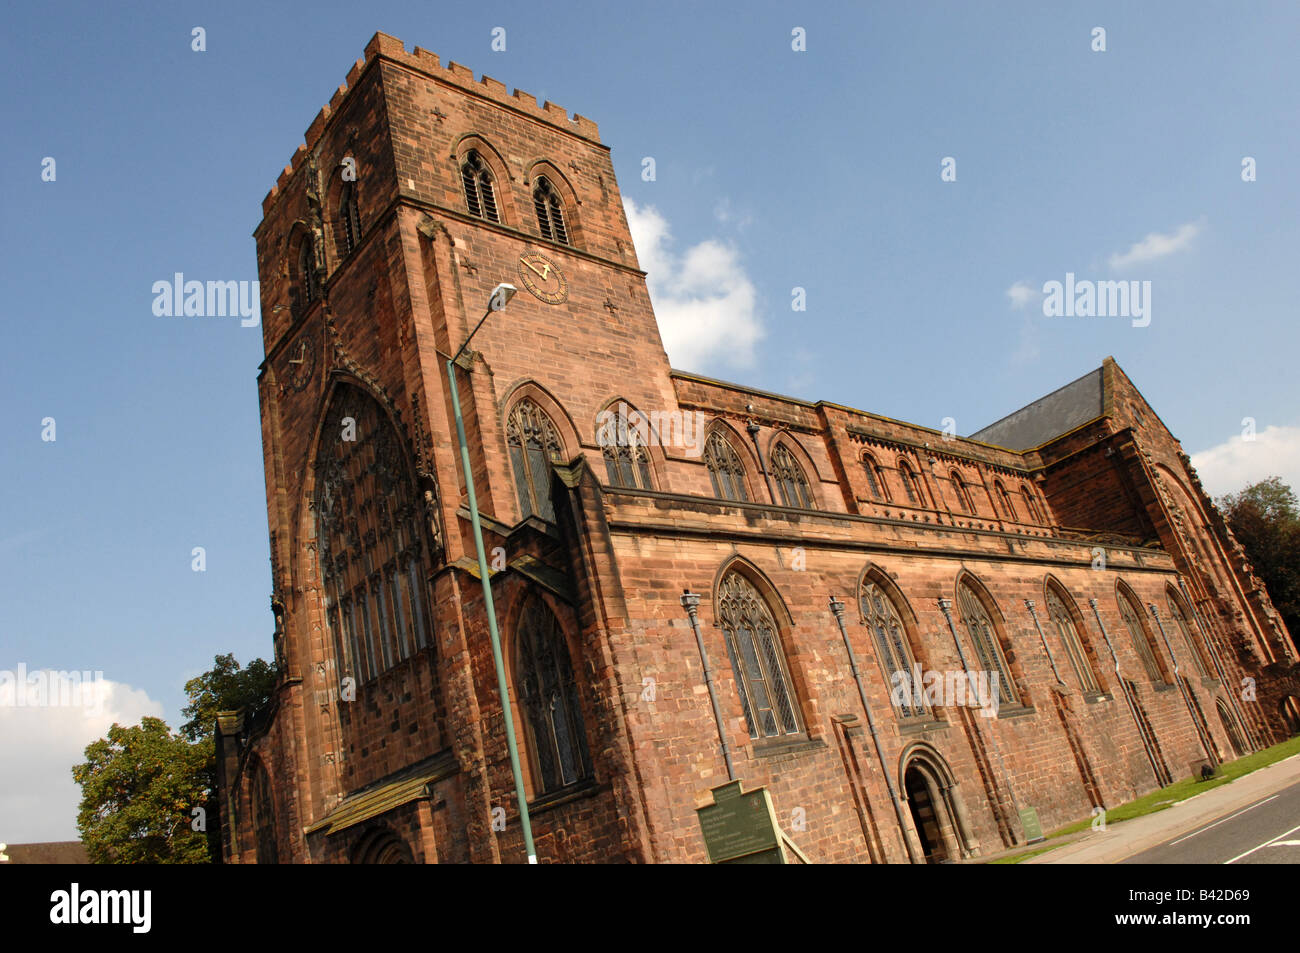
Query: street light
[{"x": 499, "y": 298}]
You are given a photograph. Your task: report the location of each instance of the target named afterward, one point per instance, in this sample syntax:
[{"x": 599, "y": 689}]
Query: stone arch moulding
[
  {"x": 755, "y": 485},
  {"x": 382, "y": 845},
  {"x": 931, "y": 762},
  {"x": 653, "y": 446},
  {"x": 568, "y": 195},
  {"x": 875, "y": 573},
  {"x": 566, "y": 430},
  {"x": 760, "y": 581},
  {"x": 812, "y": 473}
]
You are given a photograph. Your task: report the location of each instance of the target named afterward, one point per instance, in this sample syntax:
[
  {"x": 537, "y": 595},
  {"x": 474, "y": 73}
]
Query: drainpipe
[
  {"x": 837, "y": 609},
  {"x": 1218, "y": 665},
  {"x": 1123, "y": 686},
  {"x": 691, "y": 603},
  {"x": 752, "y": 429},
  {"x": 1029, "y": 604},
  {"x": 1178, "y": 677}
]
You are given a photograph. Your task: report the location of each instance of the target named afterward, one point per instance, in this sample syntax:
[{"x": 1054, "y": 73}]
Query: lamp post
[{"x": 500, "y": 297}]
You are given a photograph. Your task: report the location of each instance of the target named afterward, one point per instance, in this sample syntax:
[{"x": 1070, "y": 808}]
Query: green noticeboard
[
  {"x": 740, "y": 827},
  {"x": 1033, "y": 829}
]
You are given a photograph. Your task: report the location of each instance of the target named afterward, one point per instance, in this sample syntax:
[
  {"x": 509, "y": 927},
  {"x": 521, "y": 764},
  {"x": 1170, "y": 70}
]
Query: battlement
[{"x": 383, "y": 46}]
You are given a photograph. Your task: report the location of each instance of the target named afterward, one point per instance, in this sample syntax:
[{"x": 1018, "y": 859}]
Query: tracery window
[
  {"x": 1180, "y": 620},
  {"x": 549, "y": 696},
  {"x": 790, "y": 481},
  {"x": 984, "y": 637},
  {"x": 754, "y": 647},
  {"x": 894, "y": 650},
  {"x": 534, "y": 446},
  {"x": 349, "y": 218},
  {"x": 307, "y": 270},
  {"x": 1143, "y": 642},
  {"x": 911, "y": 483},
  {"x": 875, "y": 480},
  {"x": 550, "y": 212},
  {"x": 1068, "y": 632},
  {"x": 726, "y": 472},
  {"x": 370, "y": 539},
  {"x": 479, "y": 195},
  {"x": 963, "y": 495}
]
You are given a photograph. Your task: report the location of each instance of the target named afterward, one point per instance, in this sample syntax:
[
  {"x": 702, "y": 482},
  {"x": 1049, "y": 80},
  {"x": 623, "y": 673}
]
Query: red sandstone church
[{"x": 1066, "y": 555}]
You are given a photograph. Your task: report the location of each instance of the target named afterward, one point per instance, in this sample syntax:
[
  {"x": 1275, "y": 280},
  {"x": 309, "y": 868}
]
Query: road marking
[
  {"x": 1285, "y": 843},
  {"x": 1222, "y": 819},
  {"x": 1267, "y": 843}
]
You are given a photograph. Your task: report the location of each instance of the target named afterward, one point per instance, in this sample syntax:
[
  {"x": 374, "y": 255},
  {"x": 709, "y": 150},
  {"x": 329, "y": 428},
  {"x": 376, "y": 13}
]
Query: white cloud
[
  {"x": 704, "y": 300},
  {"x": 1023, "y": 294},
  {"x": 1236, "y": 463},
  {"x": 1156, "y": 246},
  {"x": 40, "y": 744}
]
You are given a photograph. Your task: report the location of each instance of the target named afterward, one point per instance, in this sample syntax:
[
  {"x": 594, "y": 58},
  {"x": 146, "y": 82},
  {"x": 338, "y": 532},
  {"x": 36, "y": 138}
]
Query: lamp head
[{"x": 501, "y": 296}]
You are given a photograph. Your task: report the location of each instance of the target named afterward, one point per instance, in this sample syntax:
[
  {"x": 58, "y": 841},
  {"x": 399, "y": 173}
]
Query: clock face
[
  {"x": 302, "y": 362},
  {"x": 543, "y": 278}
]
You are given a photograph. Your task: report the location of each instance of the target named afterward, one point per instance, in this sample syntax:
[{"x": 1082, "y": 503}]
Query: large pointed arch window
[
  {"x": 550, "y": 212},
  {"x": 1180, "y": 620},
  {"x": 371, "y": 539},
  {"x": 480, "y": 196},
  {"x": 549, "y": 696},
  {"x": 1059, "y": 615},
  {"x": 984, "y": 637},
  {"x": 726, "y": 472},
  {"x": 754, "y": 647},
  {"x": 1144, "y": 643},
  {"x": 790, "y": 480},
  {"x": 534, "y": 446},
  {"x": 895, "y": 652}
]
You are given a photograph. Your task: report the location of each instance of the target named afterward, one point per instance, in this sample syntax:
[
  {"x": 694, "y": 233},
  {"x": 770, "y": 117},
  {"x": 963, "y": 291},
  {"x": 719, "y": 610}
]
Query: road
[{"x": 1264, "y": 832}]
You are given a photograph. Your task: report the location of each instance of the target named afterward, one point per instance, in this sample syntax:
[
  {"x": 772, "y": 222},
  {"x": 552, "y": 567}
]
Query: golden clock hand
[{"x": 540, "y": 274}]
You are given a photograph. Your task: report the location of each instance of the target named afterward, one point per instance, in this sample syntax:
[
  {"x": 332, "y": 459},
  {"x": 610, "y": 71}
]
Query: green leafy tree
[
  {"x": 139, "y": 787},
  {"x": 1265, "y": 519}
]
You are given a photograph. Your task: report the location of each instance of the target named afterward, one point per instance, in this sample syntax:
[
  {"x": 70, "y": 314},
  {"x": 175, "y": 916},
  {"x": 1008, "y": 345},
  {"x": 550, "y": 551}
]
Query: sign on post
[{"x": 740, "y": 827}]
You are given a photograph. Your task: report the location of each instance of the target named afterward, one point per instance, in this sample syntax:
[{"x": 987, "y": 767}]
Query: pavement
[{"x": 1126, "y": 839}]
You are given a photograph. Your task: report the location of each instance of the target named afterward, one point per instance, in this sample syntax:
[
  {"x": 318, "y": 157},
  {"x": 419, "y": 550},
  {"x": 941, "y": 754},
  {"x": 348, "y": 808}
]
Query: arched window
[
  {"x": 754, "y": 646},
  {"x": 875, "y": 480},
  {"x": 1059, "y": 615},
  {"x": 1180, "y": 620},
  {"x": 264, "y": 817},
  {"x": 1035, "y": 516},
  {"x": 370, "y": 539},
  {"x": 349, "y": 218},
  {"x": 1143, "y": 642},
  {"x": 790, "y": 481},
  {"x": 894, "y": 650},
  {"x": 628, "y": 465},
  {"x": 549, "y": 696},
  {"x": 911, "y": 483},
  {"x": 479, "y": 195},
  {"x": 307, "y": 270},
  {"x": 550, "y": 212},
  {"x": 984, "y": 637},
  {"x": 534, "y": 445},
  {"x": 726, "y": 471},
  {"x": 1004, "y": 498},
  {"x": 963, "y": 495}
]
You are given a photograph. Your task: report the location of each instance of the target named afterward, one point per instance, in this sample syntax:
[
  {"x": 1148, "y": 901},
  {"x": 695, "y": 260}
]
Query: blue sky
[{"x": 775, "y": 169}]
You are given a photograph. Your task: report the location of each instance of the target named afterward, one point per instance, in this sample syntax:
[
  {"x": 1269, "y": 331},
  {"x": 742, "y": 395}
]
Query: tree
[
  {"x": 1265, "y": 518},
  {"x": 139, "y": 787}
]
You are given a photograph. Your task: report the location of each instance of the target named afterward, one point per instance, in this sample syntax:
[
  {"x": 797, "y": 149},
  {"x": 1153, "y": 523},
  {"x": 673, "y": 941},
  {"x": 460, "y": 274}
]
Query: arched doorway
[
  {"x": 925, "y": 809},
  {"x": 381, "y": 846}
]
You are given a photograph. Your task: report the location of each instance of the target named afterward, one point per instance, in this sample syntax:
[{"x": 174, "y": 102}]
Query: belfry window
[
  {"x": 479, "y": 195},
  {"x": 370, "y": 539},
  {"x": 307, "y": 270},
  {"x": 790, "y": 481},
  {"x": 549, "y": 696},
  {"x": 534, "y": 446},
  {"x": 550, "y": 212},
  {"x": 349, "y": 218},
  {"x": 726, "y": 471},
  {"x": 754, "y": 646}
]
